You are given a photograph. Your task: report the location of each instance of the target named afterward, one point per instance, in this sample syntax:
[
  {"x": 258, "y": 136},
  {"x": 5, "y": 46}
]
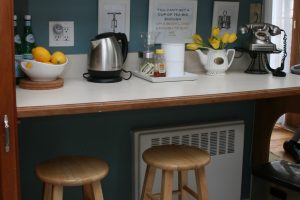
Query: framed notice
[
  {"x": 114, "y": 16},
  {"x": 173, "y": 20},
  {"x": 225, "y": 16},
  {"x": 255, "y": 13}
]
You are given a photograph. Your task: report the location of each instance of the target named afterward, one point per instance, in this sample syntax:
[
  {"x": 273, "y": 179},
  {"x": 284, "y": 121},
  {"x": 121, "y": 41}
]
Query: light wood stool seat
[
  {"x": 72, "y": 171},
  {"x": 179, "y": 158}
]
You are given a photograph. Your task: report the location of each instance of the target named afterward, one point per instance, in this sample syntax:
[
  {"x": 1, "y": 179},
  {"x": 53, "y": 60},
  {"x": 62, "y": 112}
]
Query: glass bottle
[
  {"x": 18, "y": 52},
  {"x": 28, "y": 38},
  {"x": 160, "y": 65}
]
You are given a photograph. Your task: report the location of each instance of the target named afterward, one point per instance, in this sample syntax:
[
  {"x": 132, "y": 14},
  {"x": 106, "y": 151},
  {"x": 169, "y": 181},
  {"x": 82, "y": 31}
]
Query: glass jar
[
  {"x": 147, "y": 63},
  {"x": 160, "y": 64}
]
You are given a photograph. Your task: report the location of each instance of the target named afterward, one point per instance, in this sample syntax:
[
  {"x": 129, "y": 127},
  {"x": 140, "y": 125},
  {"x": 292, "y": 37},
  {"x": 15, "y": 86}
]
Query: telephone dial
[{"x": 258, "y": 44}]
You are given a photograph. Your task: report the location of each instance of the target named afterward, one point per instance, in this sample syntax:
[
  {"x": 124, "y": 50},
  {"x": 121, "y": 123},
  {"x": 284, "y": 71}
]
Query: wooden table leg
[{"x": 267, "y": 112}]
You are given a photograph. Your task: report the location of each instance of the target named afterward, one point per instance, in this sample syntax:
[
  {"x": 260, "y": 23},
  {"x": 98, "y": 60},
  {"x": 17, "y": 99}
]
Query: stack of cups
[{"x": 174, "y": 57}]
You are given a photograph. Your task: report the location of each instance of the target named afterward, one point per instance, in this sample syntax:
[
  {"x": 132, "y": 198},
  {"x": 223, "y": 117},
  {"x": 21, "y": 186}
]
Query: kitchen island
[{"x": 264, "y": 96}]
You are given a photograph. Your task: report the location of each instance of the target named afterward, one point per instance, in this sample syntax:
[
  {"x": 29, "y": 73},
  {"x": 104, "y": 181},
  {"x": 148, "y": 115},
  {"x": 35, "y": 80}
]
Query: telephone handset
[
  {"x": 260, "y": 36},
  {"x": 259, "y": 41}
]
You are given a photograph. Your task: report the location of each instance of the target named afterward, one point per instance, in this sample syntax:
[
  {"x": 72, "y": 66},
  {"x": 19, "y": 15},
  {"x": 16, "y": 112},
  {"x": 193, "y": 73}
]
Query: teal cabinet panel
[{"x": 108, "y": 136}]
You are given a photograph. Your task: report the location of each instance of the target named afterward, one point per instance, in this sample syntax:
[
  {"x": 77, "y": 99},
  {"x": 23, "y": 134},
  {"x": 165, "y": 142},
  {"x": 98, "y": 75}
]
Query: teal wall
[
  {"x": 84, "y": 14},
  {"x": 108, "y": 136}
]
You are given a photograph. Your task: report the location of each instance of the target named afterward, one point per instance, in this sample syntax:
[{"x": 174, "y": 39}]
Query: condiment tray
[{"x": 186, "y": 77}]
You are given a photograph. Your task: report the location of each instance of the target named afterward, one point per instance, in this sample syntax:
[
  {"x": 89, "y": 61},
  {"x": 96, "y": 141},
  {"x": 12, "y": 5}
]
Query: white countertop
[
  {"x": 80, "y": 96},
  {"x": 80, "y": 91}
]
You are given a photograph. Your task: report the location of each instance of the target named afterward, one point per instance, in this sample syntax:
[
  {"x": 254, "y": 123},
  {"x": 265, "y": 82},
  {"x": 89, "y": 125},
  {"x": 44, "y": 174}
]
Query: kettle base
[
  {"x": 103, "y": 76},
  {"x": 104, "y": 80},
  {"x": 90, "y": 78}
]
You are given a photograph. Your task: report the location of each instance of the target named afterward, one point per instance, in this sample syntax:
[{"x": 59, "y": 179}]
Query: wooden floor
[{"x": 278, "y": 137}]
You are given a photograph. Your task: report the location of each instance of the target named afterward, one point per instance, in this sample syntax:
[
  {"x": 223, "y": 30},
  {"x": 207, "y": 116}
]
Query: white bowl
[{"x": 39, "y": 71}]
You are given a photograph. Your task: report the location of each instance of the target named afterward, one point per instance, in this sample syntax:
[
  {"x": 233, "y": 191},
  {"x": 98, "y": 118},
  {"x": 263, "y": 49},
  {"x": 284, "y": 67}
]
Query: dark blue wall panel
[
  {"x": 108, "y": 136},
  {"x": 84, "y": 13}
]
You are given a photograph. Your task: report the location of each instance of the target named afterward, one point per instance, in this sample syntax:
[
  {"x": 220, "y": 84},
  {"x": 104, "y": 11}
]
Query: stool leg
[
  {"x": 148, "y": 182},
  {"x": 97, "y": 190},
  {"x": 57, "y": 192},
  {"x": 166, "y": 185},
  {"x": 93, "y": 191},
  {"x": 182, "y": 181},
  {"x": 87, "y": 192},
  {"x": 47, "y": 191},
  {"x": 201, "y": 184}
]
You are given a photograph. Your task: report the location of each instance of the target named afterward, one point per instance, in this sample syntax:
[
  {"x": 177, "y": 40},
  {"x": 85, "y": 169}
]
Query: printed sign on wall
[
  {"x": 225, "y": 16},
  {"x": 173, "y": 20},
  {"x": 114, "y": 16}
]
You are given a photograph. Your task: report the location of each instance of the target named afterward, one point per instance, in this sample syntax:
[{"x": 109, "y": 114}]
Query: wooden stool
[
  {"x": 72, "y": 171},
  {"x": 180, "y": 158}
]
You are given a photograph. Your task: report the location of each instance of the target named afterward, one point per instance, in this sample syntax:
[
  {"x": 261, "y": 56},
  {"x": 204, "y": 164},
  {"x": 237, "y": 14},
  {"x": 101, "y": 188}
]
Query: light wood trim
[{"x": 69, "y": 109}]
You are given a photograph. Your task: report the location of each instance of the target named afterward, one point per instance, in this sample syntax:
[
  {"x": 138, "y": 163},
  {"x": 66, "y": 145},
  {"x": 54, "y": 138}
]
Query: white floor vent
[{"x": 224, "y": 141}]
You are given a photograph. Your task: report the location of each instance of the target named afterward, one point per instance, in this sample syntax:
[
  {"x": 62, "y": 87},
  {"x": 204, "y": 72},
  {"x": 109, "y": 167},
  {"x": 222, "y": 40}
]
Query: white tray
[{"x": 186, "y": 77}]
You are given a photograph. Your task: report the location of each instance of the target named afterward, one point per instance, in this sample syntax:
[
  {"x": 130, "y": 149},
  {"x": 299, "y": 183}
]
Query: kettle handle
[{"x": 124, "y": 41}]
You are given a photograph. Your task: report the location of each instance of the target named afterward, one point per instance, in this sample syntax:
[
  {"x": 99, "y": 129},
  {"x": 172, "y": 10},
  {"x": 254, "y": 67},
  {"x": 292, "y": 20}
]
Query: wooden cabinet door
[
  {"x": 296, "y": 34},
  {"x": 293, "y": 120},
  {"x": 9, "y": 170}
]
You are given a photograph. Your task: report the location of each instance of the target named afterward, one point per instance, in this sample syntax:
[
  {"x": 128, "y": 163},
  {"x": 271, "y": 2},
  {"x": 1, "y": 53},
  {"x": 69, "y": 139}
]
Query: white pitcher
[{"x": 216, "y": 61}]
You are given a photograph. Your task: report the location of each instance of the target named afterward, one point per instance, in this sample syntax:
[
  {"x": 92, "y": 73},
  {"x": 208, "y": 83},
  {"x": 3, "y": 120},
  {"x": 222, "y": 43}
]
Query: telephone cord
[
  {"x": 284, "y": 50},
  {"x": 278, "y": 71}
]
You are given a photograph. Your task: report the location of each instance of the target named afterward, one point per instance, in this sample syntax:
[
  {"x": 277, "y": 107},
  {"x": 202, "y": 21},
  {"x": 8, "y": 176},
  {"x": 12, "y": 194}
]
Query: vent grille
[
  {"x": 175, "y": 140},
  {"x": 223, "y": 140},
  {"x": 204, "y": 141},
  {"x": 216, "y": 143},
  {"x": 231, "y": 139}
]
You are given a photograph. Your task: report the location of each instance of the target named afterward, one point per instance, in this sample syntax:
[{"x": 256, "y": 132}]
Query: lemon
[
  {"x": 41, "y": 54},
  {"x": 58, "y": 57},
  {"x": 28, "y": 65}
]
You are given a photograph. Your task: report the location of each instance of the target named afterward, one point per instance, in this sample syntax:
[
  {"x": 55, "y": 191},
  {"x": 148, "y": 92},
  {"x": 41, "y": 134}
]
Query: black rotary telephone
[{"x": 258, "y": 44}]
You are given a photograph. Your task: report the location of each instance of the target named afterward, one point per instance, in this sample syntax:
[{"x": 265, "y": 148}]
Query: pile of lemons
[{"x": 42, "y": 54}]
